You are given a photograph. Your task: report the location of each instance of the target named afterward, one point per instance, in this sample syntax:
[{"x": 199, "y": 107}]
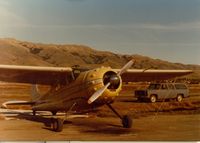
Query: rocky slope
[{"x": 27, "y": 53}]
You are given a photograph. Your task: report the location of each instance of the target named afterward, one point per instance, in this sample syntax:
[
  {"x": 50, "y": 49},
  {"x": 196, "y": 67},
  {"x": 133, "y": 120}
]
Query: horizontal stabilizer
[{"x": 4, "y": 105}]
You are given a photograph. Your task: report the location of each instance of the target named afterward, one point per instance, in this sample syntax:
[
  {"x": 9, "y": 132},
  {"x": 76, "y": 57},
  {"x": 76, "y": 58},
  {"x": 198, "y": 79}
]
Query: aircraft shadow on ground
[
  {"x": 108, "y": 129},
  {"x": 101, "y": 126},
  {"x": 47, "y": 119},
  {"x": 87, "y": 126}
]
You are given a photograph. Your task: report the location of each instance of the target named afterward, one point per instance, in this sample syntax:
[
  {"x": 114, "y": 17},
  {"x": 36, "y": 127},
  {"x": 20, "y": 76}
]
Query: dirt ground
[
  {"x": 157, "y": 128},
  {"x": 161, "y": 121}
]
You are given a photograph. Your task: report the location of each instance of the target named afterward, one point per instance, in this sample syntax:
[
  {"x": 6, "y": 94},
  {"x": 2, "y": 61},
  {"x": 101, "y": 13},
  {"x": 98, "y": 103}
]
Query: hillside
[{"x": 27, "y": 53}]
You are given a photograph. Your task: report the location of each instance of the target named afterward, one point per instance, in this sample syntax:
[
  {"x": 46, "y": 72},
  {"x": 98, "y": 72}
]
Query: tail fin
[{"x": 34, "y": 92}]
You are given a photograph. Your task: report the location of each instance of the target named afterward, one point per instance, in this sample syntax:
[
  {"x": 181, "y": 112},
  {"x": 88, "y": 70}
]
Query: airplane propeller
[
  {"x": 114, "y": 79},
  {"x": 125, "y": 67}
]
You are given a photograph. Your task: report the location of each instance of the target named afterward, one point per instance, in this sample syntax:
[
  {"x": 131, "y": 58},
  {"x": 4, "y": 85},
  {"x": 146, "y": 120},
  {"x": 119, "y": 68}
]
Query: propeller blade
[
  {"x": 126, "y": 67},
  {"x": 98, "y": 93}
]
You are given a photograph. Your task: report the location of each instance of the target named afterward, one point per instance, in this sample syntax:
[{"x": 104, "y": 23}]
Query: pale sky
[{"x": 164, "y": 29}]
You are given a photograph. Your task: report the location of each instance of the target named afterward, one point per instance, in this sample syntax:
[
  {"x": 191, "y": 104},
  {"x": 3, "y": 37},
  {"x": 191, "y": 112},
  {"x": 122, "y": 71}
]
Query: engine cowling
[{"x": 100, "y": 77}]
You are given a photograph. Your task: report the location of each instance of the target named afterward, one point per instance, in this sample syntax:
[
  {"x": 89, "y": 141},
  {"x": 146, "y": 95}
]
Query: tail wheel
[
  {"x": 127, "y": 121},
  {"x": 57, "y": 124},
  {"x": 153, "y": 99},
  {"x": 179, "y": 98},
  {"x": 54, "y": 112}
]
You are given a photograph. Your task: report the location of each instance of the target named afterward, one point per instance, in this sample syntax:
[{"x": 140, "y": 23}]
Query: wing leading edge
[
  {"x": 136, "y": 75},
  {"x": 35, "y": 74},
  {"x": 61, "y": 75}
]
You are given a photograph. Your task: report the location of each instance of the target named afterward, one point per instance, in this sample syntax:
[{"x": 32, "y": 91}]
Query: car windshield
[{"x": 154, "y": 86}]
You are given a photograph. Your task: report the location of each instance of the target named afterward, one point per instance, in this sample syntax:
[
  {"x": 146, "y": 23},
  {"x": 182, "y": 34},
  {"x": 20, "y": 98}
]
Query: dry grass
[
  {"x": 2, "y": 118},
  {"x": 124, "y": 106}
]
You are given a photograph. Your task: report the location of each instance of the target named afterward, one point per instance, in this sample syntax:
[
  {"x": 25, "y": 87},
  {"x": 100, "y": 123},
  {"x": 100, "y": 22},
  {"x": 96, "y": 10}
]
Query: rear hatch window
[{"x": 180, "y": 86}]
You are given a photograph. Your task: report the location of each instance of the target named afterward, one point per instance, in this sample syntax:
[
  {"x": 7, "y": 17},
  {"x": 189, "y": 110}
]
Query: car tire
[
  {"x": 179, "y": 98},
  {"x": 153, "y": 98}
]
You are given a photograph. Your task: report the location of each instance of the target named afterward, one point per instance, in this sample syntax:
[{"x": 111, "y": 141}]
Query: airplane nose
[{"x": 113, "y": 79}]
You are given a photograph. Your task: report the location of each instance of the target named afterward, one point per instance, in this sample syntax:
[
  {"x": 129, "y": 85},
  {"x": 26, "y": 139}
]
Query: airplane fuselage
[{"x": 75, "y": 95}]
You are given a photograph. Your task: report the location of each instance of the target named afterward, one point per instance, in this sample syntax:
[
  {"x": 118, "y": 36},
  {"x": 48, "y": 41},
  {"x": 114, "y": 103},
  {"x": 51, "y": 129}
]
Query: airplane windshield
[
  {"x": 154, "y": 86},
  {"x": 76, "y": 73}
]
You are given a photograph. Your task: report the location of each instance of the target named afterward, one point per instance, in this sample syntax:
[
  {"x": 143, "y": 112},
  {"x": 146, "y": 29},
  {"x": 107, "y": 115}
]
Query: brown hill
[{"x": 26, "y": 53}]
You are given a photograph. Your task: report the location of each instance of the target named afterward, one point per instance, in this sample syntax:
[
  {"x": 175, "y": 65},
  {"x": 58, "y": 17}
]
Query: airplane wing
[
  {"x": 35, "y": 74},
  {"x": 61, "y": 75},
  {"x": 136, "y": 75}
]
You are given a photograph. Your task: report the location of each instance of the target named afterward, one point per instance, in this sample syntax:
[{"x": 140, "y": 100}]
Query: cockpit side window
[{"x": 76, "y": 73}]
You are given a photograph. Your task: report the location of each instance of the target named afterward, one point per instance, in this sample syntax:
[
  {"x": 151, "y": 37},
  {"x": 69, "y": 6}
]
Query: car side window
[
  {"x": 157, "y": 86},
  {"x": 154, "y": 86},
  {"x": 170, "y": 86},
  {"x": 164, "y": 86}
]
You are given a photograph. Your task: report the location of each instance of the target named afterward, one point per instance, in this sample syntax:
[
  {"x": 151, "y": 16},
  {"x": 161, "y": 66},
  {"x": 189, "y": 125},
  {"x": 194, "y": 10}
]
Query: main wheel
[
  {"x": 153, "y": 98},
  {"x": 127, "y": 121},
  {"x": 179, "y": 98},
  {"x": 57, "y": 124}
]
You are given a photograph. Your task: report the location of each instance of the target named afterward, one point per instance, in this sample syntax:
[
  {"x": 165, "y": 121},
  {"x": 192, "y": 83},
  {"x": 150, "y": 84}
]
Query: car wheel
[
  {"x": 153, "y": 99},
  {"x": 179, "y": 98}
]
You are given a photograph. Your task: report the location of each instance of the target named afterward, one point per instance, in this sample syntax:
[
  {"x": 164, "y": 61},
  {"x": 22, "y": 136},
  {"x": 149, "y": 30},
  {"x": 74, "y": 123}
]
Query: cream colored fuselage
[{"x": 74, "y": 96}]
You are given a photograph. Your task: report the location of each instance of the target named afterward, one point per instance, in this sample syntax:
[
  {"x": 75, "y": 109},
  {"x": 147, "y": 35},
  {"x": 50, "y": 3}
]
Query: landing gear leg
[
  {"x": 126, "y": 119},
  {"x": 57, "y": 123},
  {"x": 34, "y": 112}
]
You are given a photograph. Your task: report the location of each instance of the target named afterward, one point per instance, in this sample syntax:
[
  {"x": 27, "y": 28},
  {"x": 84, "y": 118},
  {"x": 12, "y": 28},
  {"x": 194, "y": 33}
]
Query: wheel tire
[
  {"x": 179, "y": 98},
  {"x": 153, "y": 98},
  {"x": 57, "y": 125},
  {"x": 127, "y": 121}
]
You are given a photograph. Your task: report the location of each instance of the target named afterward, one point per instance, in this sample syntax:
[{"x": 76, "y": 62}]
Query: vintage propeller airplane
[{"x": 77, "y": 89}]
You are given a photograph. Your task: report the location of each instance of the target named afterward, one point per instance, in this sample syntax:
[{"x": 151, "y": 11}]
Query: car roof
[{"x": 168, "y": 83}]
